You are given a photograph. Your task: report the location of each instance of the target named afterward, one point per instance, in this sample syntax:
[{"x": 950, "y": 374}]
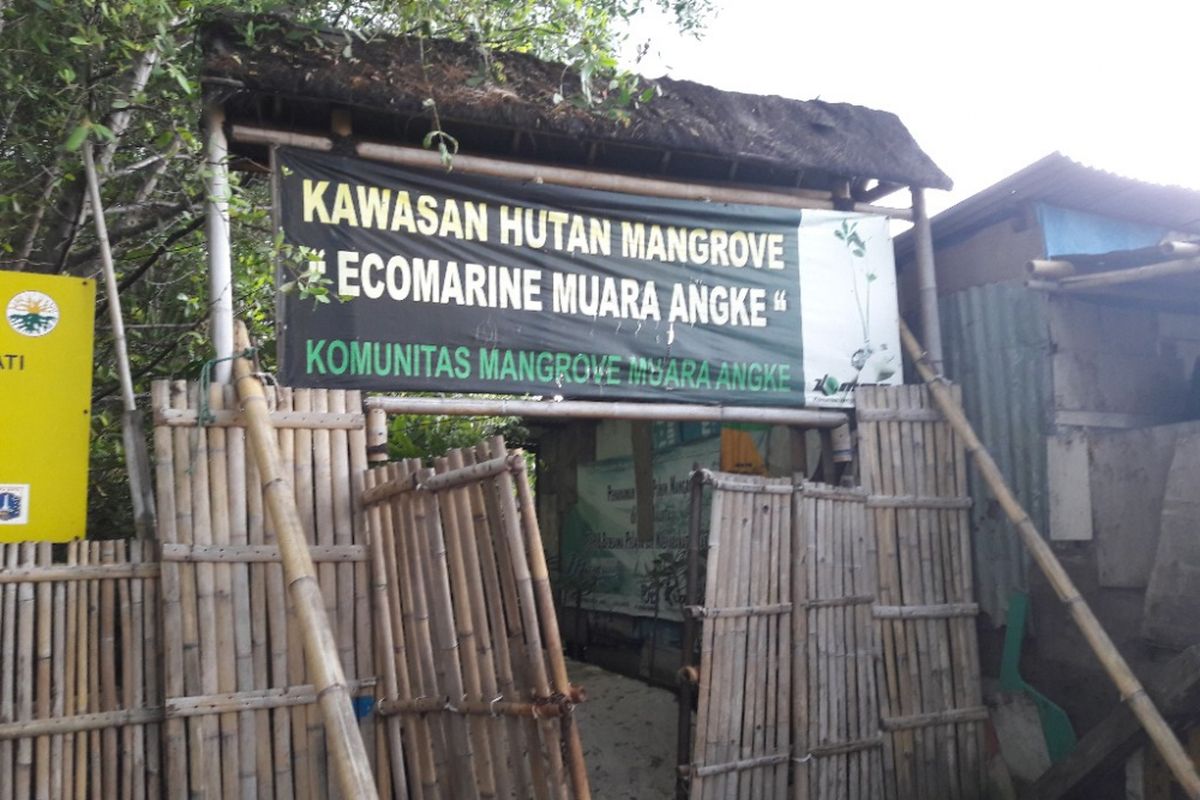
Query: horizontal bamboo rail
[
  {"x": 257, "y": 553},
  {"x": 567, "y": 176},
  {"x": 482, "y": 708},
  {"x": 588, "y": 409},
  {"x": 775, "y": 609},
  {"x": 914, "y": 501},
  {"x": 226, "y": 418},
  {"x": 935, "y": 718},
  {"x": 1131, "y": 690},
  {"x": 63, "y": 572},
  {"x": 941, "y": 611}
]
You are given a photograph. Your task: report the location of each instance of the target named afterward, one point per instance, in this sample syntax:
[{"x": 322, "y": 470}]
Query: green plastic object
[{"x": 1056, "y": 725}]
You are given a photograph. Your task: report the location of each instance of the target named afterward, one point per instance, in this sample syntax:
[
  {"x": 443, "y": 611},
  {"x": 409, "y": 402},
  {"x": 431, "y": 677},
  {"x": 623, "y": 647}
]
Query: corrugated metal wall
[{"x": 997, "y": 346}]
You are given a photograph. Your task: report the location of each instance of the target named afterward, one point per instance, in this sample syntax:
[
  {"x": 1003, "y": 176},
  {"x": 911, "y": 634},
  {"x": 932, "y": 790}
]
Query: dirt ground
[{"x": 628, "y": 732}]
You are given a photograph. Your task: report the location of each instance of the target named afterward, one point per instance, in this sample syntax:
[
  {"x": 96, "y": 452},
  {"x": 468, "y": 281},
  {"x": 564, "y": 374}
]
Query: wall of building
[{"x": 1080, "y": 401}]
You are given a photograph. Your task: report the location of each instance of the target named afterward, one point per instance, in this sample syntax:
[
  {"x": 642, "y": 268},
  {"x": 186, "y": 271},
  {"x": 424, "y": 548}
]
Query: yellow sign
[{"x": 45, "y": 405}]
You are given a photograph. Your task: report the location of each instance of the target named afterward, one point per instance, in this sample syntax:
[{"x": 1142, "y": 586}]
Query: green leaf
[{"x": 75, "y": 140}]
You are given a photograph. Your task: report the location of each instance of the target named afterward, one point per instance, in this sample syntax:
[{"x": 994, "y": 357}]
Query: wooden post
[
  {"x": 345, "y": 742},
  {"x": 687, "y": 689},
  {"x": 931, "y": 325},
  {"x": 137, "y": 460},
  {"x": 1114, "y": 664}
]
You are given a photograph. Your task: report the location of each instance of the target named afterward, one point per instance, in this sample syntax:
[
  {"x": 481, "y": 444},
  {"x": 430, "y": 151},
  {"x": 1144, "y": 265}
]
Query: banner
[
  {"x": 45, "y": 405},
  {"x": 444, "y": 282}
]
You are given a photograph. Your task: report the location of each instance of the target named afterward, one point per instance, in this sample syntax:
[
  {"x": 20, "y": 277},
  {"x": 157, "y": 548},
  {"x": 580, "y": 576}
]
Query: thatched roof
[{"x": 293, "y": 78}]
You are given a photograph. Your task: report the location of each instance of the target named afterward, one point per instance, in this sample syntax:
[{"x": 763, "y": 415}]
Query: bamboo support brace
[
  {"x": 346, "y": 748},
  {"x": 552, "y": 707},
  {"x": 1129, "y": 687}
]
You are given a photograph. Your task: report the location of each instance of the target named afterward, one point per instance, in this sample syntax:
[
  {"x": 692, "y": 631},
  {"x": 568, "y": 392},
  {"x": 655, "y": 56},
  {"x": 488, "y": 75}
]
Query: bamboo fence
[
  {"x": 742, "y": 741},
  {"x": 80, "y": 690},
  {"x": 477, "y": 687},
  {"x": 241, "y": 714},
  {"x": 914, "y": 470},
  {"x": 838, "y": 744}
]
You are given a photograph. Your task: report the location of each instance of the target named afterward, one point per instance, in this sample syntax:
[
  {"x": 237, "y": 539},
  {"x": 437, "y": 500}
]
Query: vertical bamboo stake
[
  {"x": 224, "y": 657},
  {"x": 241, "y": 671},
  {"x": 387, "y": 643},
  {"x": 485, "y": 535},
  {"x": 465, "y": 544},
  {"x": 262, "y": 641},
  {"x": 44, "y": 654},
  {"x": 539, "y": 582},
  {"x": 465, "y": 629},
  {"x": 415, "y": 598},
  {"x": 137, "y": 461},
  {"x": 345, "y": 740},
  {"x": 134, "y": 637},
  {"x": 69, "y": 686},
  {"x": 354, "y": 579},
  {"x": 170, "y": 589},
  {"x": 297, "y": 772},
  {"x": 309, "y": 761},
  {"x": 59, "y": 678},
  {"x": 83, "y": 685},
  {"x": 25, "y": 640},
  {"x": 152, "y": 628},
  {"x": 130, "y": 760},
  {"x": 1127, "y": 684},
  {"x": 800, "y": 589},
  {"x": 96, "y": 676},
  {"x": 8, "y": 652}
]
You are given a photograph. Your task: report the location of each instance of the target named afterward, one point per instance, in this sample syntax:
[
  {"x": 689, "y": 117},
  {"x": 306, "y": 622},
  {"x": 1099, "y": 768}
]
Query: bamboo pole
[
  {"x": 594, "y": 409},
  {"x": 549, "y": 619},
  {"x": 687, "y": 689},
  {"x": 466, "y": 543},
  {"x": 137, "y": 460},
  {"x": 1117, "y": 277},
  {"x": 384, "y": 628},
  {"x": 1130, "y": 688},
  {"x": 485, "y": 534},
  {"x": 345, "y": 740},
  {"x": 566, "y": 176}
]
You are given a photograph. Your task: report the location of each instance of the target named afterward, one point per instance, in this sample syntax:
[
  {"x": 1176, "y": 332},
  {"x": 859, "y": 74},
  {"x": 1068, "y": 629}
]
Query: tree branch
[{"x": 150, "y": 260}]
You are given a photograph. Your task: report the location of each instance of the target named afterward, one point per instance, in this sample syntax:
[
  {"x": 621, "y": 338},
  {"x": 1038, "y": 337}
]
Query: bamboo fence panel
[
  {"x": 914, "y": 470},
  {"x": 238, "y": 717},
  {"x": 838, "y": 742},
  {"x": 478, "y": 689},
  {"x": 742, "y": 741},
  {"x": 80, "y": 698}
]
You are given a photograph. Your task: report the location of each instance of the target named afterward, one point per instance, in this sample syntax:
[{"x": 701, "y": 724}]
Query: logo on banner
[
  {"x": 14, "y": 503},
  {"x": 32, "y": 313}
]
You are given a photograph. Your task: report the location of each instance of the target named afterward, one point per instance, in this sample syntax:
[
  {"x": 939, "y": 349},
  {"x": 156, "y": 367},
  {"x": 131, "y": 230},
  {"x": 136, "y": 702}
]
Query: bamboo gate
[
  {"x": 176, "y": 669},
  {"x": 837, "y": 652}
]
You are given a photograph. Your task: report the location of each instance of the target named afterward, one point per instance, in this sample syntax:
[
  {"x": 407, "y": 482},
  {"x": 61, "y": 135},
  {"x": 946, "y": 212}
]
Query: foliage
[
  {"x": 121, "y": 76},
  {"x": 419, "y": 436}
]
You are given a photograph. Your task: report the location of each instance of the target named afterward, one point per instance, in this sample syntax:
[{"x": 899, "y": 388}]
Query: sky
[{"x": 985, "y": 88}]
